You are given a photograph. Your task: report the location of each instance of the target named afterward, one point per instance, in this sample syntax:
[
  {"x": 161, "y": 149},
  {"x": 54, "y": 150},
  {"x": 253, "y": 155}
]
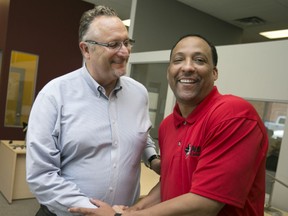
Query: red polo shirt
[{"x": 218, "y": 152}]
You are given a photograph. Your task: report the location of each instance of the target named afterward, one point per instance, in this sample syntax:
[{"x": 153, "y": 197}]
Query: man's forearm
[
  {"x": 151, "y": 199},
  {"x": 184, "y": 205}
]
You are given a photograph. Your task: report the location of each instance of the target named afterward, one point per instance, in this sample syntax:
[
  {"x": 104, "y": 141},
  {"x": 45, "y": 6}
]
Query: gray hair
[{"x": 90, "y": 15}]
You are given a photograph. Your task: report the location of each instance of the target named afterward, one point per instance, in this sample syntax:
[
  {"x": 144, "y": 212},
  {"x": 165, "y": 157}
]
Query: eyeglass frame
[{"x": 130, "y": 42}]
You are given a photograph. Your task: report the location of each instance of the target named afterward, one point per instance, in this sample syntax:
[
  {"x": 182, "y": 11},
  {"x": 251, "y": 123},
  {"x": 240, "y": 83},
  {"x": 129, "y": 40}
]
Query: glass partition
[
  {"x": 274, "y": 116},
  {"x": 153, "y": 77},
  {"x": 21, "y": 87}
]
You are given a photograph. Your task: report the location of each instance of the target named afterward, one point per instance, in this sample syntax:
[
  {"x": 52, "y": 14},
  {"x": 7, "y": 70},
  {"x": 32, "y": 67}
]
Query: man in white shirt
[{"x": 88, "y": 129}]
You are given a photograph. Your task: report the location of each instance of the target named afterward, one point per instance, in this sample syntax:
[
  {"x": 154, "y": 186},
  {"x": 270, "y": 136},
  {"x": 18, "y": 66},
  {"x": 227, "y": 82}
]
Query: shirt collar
[
  {"x": 116, "y": 89},
  {"x": 95, "y": 86},
  {"x": 199, "y": 111}
]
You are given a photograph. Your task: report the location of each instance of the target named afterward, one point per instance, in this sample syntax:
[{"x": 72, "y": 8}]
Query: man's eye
[
  {"x": 114, "y": 44},
  {"x": 199, "y": 60},
  {"x": 126, "y": 43},
  {"x": 176, "y": 60}
]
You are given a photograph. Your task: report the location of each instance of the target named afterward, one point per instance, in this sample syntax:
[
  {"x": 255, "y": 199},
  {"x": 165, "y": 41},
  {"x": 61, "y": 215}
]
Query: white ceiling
[{"x": 273, "y": 12}]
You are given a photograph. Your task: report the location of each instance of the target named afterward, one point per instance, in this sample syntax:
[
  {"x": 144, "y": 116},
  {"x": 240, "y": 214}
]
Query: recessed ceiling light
[
  {"x": 126, "y": 22},
  {"x": 275, "y": 34}
]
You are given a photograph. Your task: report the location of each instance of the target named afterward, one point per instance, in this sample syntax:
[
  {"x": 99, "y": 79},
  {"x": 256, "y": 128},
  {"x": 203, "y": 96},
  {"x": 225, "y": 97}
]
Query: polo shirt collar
[{"x": 198, "y": 112}]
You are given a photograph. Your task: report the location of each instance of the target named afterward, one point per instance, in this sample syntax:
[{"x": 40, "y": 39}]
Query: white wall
[
  {"x": 252, "y": 71},
  {"x": 256, "y": 70}
]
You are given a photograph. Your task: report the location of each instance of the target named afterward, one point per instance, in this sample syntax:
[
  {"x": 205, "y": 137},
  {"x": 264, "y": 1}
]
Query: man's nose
[
  {"x": 123, "y": 50},
  {"x": 188, "y": 65}
]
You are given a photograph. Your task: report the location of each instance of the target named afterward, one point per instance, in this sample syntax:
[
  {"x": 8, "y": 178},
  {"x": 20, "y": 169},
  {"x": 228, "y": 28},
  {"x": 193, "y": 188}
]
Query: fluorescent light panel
[
  {"x": 275, "y": 34},
  {"x": 126, "y": 22}
]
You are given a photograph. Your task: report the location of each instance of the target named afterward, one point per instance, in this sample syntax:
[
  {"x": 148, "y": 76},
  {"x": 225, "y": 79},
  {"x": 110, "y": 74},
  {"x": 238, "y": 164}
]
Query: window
[
  {"x": 21, "y": 87},
  {"x": 273, "y": 115}
]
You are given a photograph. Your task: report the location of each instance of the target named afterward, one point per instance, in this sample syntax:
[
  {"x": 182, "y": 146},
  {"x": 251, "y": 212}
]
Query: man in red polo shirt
[{"x": 213, "y": 147}]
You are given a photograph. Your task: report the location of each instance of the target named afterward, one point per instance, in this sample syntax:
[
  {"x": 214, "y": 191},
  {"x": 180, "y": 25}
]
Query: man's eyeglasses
[{"x": 114, "y": 45}]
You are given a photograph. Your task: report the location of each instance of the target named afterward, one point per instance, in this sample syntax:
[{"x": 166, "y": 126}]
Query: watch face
[{"x": 153, "y": 157}]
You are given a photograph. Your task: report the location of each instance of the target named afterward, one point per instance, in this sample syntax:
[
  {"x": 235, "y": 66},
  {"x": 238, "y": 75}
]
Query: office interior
[{"x": 45, "y": 34}]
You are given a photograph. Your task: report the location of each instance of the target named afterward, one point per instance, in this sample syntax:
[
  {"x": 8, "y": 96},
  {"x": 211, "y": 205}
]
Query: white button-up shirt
[{"x": 81, "y": 144}]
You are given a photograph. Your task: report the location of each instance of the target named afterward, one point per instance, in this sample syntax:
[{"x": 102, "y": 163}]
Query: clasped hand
[{"x": 103, "y": 209}]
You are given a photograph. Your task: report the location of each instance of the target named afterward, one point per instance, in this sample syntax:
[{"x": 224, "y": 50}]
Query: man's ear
[
  {"x": 215, "y": 73},
  {"x": 167, "y": 72},
  {"x": 84, "y": 49}
]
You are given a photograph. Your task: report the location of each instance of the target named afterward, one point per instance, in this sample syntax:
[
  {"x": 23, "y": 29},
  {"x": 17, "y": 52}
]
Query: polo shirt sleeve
[{"x": 231, "y": 157}]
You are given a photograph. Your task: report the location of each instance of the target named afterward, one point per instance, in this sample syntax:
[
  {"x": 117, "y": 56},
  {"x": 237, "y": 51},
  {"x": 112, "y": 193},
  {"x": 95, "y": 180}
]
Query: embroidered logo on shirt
[
  {"x": 192, "y": 150},
  {"x": 188, "y": 149}
]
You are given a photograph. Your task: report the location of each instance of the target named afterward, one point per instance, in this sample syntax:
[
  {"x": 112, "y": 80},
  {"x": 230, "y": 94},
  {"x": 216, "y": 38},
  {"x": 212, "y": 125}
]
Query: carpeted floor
[{"x": 23, "y": 207}]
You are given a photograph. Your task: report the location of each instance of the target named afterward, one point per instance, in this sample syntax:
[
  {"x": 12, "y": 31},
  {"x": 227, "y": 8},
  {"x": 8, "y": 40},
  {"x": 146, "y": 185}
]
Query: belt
[{"x": 44, "y": 211}]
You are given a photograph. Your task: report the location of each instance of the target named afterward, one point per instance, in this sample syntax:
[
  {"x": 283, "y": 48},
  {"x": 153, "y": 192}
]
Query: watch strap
[{"x": 151, "y": 159}]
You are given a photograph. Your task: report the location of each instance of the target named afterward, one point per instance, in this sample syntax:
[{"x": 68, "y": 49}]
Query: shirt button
[
  {"x": 114, "y": 165},
  {"x": 110, "y": 189}
]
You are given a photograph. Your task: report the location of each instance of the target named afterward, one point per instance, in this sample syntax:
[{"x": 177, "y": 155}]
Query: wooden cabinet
[
  {"x": 148, "y": 180},
  {"x": 13, "y": 183}
]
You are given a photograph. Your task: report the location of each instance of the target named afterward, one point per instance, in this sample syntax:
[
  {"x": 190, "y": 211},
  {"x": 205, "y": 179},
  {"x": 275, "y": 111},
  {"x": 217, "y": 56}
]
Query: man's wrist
[{"x": 153, "y": 157}]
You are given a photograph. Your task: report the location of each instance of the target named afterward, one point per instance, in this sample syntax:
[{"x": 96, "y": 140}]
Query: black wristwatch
[
  {"x": 151, "y": 159},
  {"x": 117, "y": 214}
]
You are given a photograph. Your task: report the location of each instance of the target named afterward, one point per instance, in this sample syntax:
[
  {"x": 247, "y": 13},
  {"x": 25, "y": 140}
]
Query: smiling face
[
  {"x": 106, "y": 65},
  {"x": 191, "y": 72}
]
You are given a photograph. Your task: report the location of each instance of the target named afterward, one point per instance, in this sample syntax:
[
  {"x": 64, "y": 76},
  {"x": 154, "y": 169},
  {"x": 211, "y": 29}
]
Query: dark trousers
[{"x": 44, "y": 211}]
